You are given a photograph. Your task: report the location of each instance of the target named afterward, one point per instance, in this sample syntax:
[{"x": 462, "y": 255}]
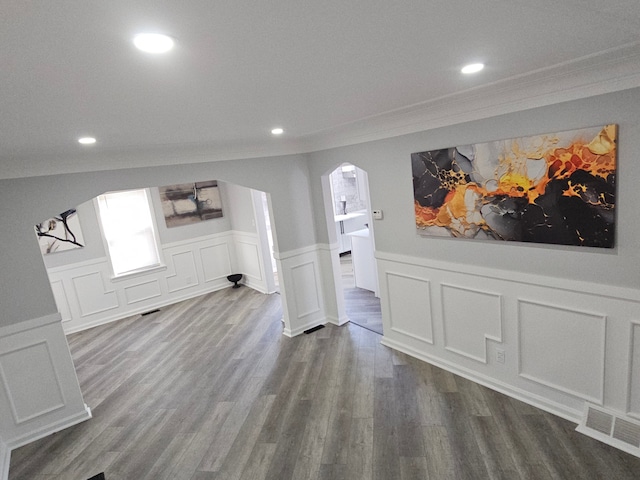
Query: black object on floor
[
  {"x": 235, "y": 278},
  {"x": 99, "y": 476},
  {"x": 311, "y": 330},
  {"x": 142, "y": 315}
]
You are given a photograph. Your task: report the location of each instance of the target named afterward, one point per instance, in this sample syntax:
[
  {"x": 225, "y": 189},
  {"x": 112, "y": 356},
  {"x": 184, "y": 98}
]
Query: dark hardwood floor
[{"x": 210, "y": 389}]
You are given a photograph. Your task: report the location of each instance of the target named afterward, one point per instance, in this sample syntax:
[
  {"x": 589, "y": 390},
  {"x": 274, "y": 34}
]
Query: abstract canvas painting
[
  {"x": 187, "y": 203},
  {"x": 557, "y": 188},
  {"x": 60, "y": 233}
]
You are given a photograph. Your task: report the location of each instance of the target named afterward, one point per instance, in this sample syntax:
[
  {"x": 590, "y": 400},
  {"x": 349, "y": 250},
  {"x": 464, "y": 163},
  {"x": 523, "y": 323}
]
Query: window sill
[{"x": 138, "y": 273}]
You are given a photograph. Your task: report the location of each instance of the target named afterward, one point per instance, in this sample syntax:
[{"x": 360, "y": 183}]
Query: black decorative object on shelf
[{"x": 235, "y": 278}]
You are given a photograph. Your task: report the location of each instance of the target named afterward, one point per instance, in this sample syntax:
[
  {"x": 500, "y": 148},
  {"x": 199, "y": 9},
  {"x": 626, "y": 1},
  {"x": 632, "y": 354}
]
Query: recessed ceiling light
[
  {"x": 153, "y": 42},
  {"x": 472, "y": 68},
  {"x": 87, "y": 140},
  {"x": 277, "y": 131}
]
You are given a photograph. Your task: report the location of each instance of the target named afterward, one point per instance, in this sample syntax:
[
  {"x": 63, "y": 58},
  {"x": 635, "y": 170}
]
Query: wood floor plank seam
[{"x": 210, "y": 389}]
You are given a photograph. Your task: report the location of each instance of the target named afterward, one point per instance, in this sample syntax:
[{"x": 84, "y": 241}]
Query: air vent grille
[
  {"x": 613, "y": 428},
  {"x": 599, "y": 421},
  {"x": 627, "y": 432}
]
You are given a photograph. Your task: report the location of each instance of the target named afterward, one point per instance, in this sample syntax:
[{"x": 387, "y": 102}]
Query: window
[{"x": 129, "y": 231}]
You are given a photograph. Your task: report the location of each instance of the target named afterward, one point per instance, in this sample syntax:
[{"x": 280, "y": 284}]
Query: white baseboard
[
  {"x": 52, "y": 428},
  {"x": 338, "y": 321},
  {"x": 5, "y": 450},
  {"x": 518, "y": 394},
  {"x": 297, "y": 331},
  {"x": 147, "y": 307}
]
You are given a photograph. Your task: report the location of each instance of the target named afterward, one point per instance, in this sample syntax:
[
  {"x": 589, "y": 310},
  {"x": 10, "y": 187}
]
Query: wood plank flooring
[
  {"x": 361, "y": 306},
  {"x": 210, "y": 389}
]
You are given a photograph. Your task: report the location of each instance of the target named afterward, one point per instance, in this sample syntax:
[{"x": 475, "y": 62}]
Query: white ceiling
[{"x": 331, "y": 72}]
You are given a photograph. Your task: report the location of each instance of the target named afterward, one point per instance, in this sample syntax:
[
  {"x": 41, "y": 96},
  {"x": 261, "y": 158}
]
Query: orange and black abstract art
[{"x": 557, "y": 188}]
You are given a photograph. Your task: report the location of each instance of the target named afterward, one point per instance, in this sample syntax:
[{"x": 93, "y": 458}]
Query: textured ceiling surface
[{"x": 331, "y": 72}]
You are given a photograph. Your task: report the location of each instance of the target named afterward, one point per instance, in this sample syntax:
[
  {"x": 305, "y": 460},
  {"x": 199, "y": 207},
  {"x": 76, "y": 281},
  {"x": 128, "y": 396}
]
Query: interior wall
[
  {"x": 93, "y": 243},
  {"x": 192, "y": 230},
  {"x": 240, "y": 207},
  {"x": 388, "y": 165},
  {"x": 548, "y": 324},
  {"x": 25, "y": 293}
]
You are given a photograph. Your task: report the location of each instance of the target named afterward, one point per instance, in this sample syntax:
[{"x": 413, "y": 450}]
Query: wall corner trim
[
  {"x": 30, "y": 324},
  {"x": 5, "y": 450},
  {"x": 67, "y": 422},
  {"x": 5, "y": 457}
]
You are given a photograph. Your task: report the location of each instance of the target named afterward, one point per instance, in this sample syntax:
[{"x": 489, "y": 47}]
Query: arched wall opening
[{"x": 350, "y": 230}]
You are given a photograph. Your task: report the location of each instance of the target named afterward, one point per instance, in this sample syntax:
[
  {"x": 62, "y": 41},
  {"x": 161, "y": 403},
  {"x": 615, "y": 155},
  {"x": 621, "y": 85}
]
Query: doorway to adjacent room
[{"x": 354, "y": 231}]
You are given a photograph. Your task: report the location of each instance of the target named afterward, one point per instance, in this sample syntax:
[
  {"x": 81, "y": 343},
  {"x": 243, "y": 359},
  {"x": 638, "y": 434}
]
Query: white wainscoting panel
[
  {"x": 30, "y": 381},
  {"x": 307, "y": 301},
  {"x": 216, "y": 262},
  {"x": 471, "y": 317},
  {"x": 302, "y": 289},
  {"x": 550, "y": 354},
  {"x": 86, "y": 295},
  {"x": 633, "y": 405},
  {"x": 39, "y": 390},
  {"x": 139, "y": 292},
  {"x": 92, "y": 295},
  {"x": 249, "y": 260},
  {"x": 410, "y": 306},
  {"x": 554, "y": 343},
  {"x": 182, "y": 266},
  {"x": 60, "y": 296}
]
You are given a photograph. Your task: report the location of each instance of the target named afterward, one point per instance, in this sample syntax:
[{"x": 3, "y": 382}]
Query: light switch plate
[{"x": 377, "y": 214}]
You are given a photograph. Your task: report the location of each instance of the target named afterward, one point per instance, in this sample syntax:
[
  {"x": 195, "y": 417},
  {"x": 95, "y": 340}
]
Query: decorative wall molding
[
  {"x": 60, "y": 296},
  {"x": 470, "y": 318},
  {"x": 142, "y": 291},
  {"x": 307, "y": 301},
  {"x": 182, "y": 269},
  {"x": 33, "y": 396},
  {"x": 413, "y": 293},
  {"x": 5, "y": 456},
  {"x": 598, "y": 289},
  {"x": 560, "y": 342},
  {"x": 486, "y": 380},
  {"x": 249, "y": 260},
  {"x": 303, "y": 296},
  {"x": 633, "y": 394},
  {"x": 300, "y": 251},
  {"x": 606, "y": 72},
  {"x": 39, "y": 391},
  {"x": 215, "y": 260},
  {"x": 573, "y": 367},
  {"x": 85, "y": 289},
  {"x": 92, "y": 294}
]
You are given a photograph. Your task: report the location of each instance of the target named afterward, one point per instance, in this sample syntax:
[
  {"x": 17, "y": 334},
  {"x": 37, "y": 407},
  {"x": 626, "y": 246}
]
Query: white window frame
[{"x": 160, "y": 265}]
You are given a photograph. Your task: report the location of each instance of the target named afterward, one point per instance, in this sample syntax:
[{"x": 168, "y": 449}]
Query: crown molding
[{"x": 605, "y": 72}]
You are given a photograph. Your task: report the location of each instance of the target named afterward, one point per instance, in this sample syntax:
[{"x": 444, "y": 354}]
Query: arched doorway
[{"x": 351, "y": 220}]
